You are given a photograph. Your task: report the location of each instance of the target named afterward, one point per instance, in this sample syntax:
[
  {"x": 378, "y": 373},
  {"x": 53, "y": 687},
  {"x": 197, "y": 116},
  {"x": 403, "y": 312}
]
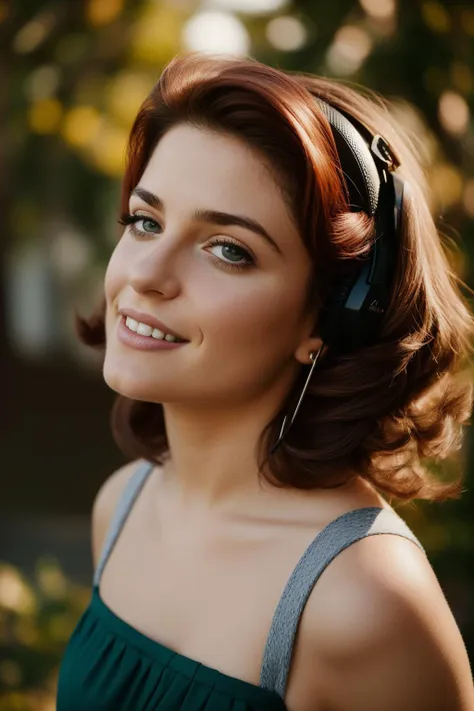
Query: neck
[
  {"x": 213, "y": 455},
  {"x": 212, "y": 471}
]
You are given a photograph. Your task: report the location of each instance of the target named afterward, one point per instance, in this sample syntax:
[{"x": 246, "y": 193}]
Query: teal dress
[{"x": 108, "y": 665}]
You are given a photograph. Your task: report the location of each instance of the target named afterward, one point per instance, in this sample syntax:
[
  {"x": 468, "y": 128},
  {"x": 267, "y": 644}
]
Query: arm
[{"x": 395, "y": 645}]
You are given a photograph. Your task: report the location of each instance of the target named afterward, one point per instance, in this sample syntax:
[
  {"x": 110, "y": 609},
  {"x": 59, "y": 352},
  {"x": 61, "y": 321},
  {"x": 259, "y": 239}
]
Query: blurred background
[{"x": 73, "y": 74}]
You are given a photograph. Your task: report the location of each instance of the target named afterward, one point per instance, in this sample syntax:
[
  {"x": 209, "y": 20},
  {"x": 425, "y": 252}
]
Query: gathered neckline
[{"x": 186, "y": 666}]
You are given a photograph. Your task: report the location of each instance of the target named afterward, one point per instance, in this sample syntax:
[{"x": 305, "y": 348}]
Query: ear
[
  {"x": 309, "y": 345},
  {"x": 310, "y": 341}
]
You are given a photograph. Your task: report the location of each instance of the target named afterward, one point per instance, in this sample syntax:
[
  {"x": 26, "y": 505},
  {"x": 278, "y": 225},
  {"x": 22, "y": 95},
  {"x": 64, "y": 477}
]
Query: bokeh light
[
  {"x": 351, "y": 46},
  {"x": 156, "y": 34},
  {"x": 249, "y": 7},
  {"x": 101, "y": 12},
  {"x": 42, "y": 82},
  {"x": 81, "y": 124},
  {"x": 435, "y": 16},
  {"x": 14, "y": 592},
  {"x": 287, "y": 33},
  {"x": 71, "y": 254},
  {"x": 462, "y": 77},
  {"x": 125, "y": 93},
  {"x": 453, "y": 113},
  {"x": 107, "y": 150},
  {"x": 44, "y": 116},
  {"x": 446, "y": 183},
  {"x": 379, "y": 9},
  {"x": 3, "y": 10},
  {"x": 467, "y": 19},
  {"x": 33, "y": 33},
  {"x": 216, "y": 32}
]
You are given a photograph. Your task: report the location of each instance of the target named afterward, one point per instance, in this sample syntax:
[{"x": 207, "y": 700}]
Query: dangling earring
[{"x": 314, "y": 356}]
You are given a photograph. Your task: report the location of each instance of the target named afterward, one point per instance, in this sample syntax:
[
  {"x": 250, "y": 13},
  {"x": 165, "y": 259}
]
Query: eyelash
[{"x": 128, "y": 220}]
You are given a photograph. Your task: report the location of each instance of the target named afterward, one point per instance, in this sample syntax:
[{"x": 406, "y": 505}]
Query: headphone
[{"x": 352, "y": 314}]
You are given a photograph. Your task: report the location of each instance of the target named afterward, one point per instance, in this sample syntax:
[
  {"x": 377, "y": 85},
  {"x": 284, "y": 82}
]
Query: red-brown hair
[{"x": 387, "y": 409}]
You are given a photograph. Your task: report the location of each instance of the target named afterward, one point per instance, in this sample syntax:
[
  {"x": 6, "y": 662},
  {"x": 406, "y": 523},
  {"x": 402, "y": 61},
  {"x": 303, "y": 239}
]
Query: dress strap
[
  {"x": 129, "y": 495},
  {"x": 334, "y": 538}
]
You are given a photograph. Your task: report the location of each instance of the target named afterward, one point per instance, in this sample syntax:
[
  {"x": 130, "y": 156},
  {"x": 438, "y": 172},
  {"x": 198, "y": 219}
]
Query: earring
[{"x": 314, "y": 356}]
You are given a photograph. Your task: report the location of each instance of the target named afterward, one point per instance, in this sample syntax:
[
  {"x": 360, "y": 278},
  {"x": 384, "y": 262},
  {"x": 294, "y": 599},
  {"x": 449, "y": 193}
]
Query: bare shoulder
[
  {"x": 383, "y": 632},
  {"x": 105, "y": 503}
]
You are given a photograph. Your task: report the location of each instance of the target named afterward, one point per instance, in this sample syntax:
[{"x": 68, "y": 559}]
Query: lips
[{"x": 150, "y": 320}]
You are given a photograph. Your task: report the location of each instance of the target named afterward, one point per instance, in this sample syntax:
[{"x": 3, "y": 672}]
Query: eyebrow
[{"x": 215, "y": 216}]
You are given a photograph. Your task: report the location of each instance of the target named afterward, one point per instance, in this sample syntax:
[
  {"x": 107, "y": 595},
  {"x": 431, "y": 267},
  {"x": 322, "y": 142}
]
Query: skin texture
[
  {"x": 387, "y": 639},
  {"x": 247, "y": 331},
  {"x": 377, "y": 633}
]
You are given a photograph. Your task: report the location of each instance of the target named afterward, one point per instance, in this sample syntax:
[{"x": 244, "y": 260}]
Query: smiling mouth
[{"x": 143, "y": 329}]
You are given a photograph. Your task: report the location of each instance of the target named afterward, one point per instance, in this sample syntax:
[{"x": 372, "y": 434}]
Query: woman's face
[{"x": 236, "y": 296}]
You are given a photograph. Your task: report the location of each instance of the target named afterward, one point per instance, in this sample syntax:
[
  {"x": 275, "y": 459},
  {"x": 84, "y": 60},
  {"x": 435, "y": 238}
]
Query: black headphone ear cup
[
  {"x": 352, "y": 313},
  {"x": 331, "y": 316}
]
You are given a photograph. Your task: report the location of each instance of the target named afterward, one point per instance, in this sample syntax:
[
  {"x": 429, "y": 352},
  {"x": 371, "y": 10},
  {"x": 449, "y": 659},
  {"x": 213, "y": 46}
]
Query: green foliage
[{"x": 37, "y": 618}]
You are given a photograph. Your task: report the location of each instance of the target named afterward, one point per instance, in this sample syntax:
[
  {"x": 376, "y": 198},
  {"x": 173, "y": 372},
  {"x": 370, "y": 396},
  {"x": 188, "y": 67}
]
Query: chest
[{"x": 211, "y": 597}]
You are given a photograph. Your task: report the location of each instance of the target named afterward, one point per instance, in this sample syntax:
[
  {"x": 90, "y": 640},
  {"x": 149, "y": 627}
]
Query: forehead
[{"x": 199, "y": 168}]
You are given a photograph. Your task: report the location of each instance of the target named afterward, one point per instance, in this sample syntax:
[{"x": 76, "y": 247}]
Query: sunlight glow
[{"x": 218, "y": 32}]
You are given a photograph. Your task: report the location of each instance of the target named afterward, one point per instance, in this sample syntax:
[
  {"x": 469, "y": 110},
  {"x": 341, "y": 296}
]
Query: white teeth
[
  {"x": 132, "y": 324},
  {"x": 144, "y": 330}
]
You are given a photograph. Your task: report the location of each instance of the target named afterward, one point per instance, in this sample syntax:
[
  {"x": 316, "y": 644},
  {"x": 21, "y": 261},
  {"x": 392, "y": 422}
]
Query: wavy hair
[{"x": 384, "y": 411}]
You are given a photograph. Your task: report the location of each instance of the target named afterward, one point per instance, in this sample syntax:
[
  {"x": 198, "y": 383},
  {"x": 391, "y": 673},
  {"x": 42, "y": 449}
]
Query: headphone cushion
[{"x": 356, "y": 161}]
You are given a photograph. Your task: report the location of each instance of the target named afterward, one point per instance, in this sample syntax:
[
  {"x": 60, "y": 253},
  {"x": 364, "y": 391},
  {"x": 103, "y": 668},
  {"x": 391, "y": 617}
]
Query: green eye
[
  {"x": 231, "y": 252},
  {"x": 148, "y": 225},
  {"x": 232, "y": 255}
]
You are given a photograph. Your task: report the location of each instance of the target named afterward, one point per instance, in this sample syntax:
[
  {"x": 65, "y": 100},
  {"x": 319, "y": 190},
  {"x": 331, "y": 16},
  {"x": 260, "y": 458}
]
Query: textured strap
[
  {"x": 124, "y": 506},
  {"x": 334, "y": 538}
]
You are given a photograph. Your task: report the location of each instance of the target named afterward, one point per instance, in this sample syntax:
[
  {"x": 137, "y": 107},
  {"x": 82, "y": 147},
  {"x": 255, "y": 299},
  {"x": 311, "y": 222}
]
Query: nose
[{"x": 156, "y": 269}]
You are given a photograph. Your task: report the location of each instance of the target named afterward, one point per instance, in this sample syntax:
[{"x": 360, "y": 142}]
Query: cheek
[
  {"x": 263, "y": 313},
  {"x": 115, "y": 281},
  {"x": 115, "y": 274}
]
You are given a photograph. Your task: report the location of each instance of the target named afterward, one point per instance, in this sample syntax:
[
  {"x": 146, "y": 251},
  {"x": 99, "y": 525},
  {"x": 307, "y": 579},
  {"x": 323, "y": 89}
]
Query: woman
[{"x": 268, "y": 227}]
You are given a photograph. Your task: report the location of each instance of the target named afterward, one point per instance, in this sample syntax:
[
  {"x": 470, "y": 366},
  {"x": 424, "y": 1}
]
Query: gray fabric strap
[
  {"x": 334, "y": 538},
  {"x": 132, "y": 489}
]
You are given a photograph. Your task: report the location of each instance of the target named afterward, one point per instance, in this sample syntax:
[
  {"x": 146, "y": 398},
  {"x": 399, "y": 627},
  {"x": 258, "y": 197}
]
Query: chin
[
  {"x": 128, "y": 384},
  {"x": 134, "y": 385}
]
